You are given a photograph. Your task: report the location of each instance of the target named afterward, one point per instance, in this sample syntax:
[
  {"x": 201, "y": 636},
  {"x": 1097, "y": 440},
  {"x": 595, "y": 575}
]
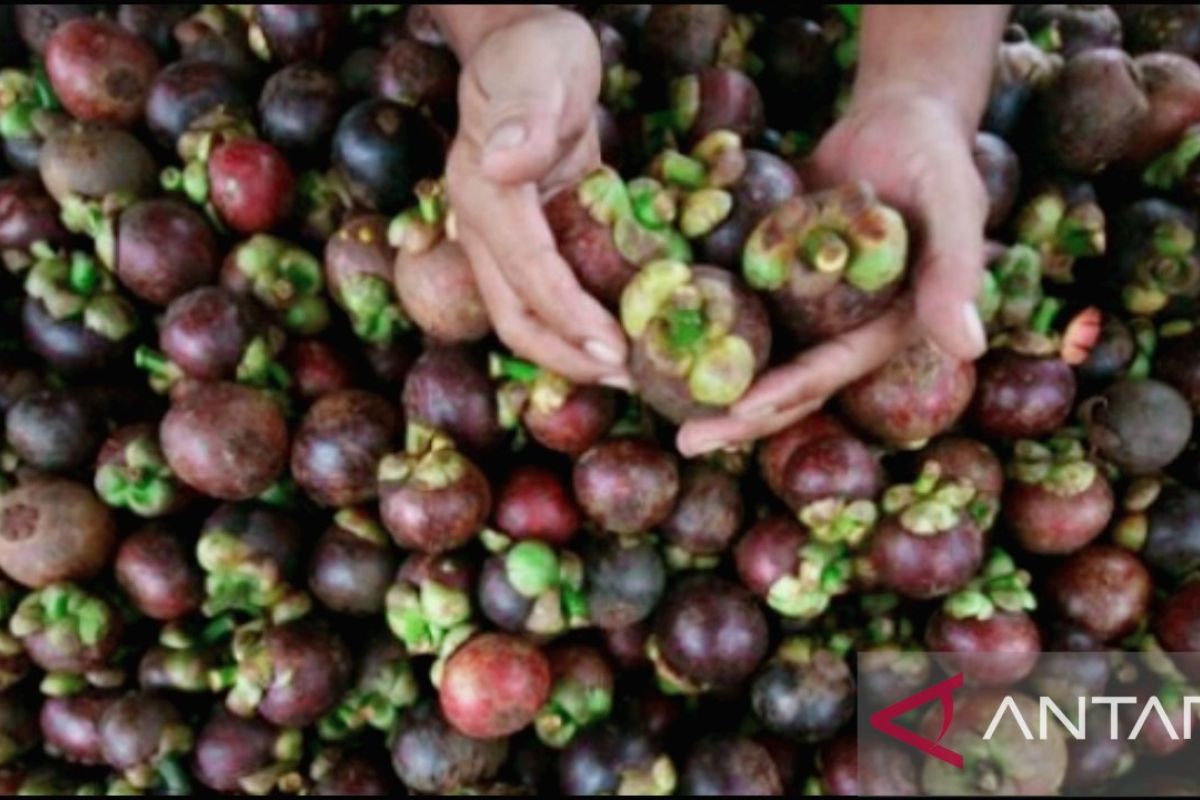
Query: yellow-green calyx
[
  {"x": 823, "y": 572},
  {"x": 1061, "y": 230},
  {"x": 641, "y": 215},
  {"x": 930, "y": 505},
  {"x": 1060, "y": 466},
  {"x": 425, "y": 616},
  {"x": 835, "y": 520},
  {"x": 687, "y": 327},
  {"x": 698, "y": 183},
  {"x": 65, "y": 612},
  {"x": 74, "y": 287},
  {"x": 419, "y": 229},
  {"x": 285, "y": 278},
  {"x": 1000, "y": 586},
  {"x": 1012, "y": 288},
  {"x": 843, "y": 234},
  {"x": 430, "y": 461},
  {"x": 1171, "y": 269},
  {"x": 1177, "y": 164}
]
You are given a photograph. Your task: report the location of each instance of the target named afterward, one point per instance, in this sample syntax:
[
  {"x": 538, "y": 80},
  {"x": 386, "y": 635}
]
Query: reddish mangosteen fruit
[
  {"x": 251, "y": 185},
  {"x": 707, "y": 515},
  {"x": 157, "y": 571},
  {"x": 1057, "y": 500},
  {"x": 1103, "y": 590},
  {"x": 100, "y": 71},
  {"x": 494, "y": 685},
  {"x": 535, "y": 503},
  {"x": 448, "y": 389},
  {"x": 557, "y": 414},
  {"x": 626, "y": 486}
]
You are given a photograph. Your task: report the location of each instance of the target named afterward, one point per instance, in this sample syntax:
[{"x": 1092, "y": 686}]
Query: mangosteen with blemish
[
  {"x": 915, "y": 396},
  {"x": 54, "y": 530},
  {"x": 1177, "y": 360},
  {"x": 418, "y": 75},
  {"x": 734, "y": 766},
  {"x": 1064, "y": 222},
  {"x": 1160, "y": 521},
  {"x": 250, "y": 755},
  {"x": 623, "y": 582},
  {"x": 533, "y": 588},
  {"x": 706, "y": 518},
  {"x": 358, "y": 272},
  {"x": 352, "y": 564},
  {"x": 283, "y": 277},
  {"x": 493, "y": 685},
  {"x": 100, "y": 71},
  {"x": 1057, "y": 499},
  {"x": 611, "y": 760},
  {"x": 431, "y": 274},
  {"x": 95, "y": 168},
  {"x": 28, "y": 214},
  {"x": 928, "y": 542},
  {"x": 338, "y": 446},
  {"x": 252, "y": 556},
  {"x": 829, "y": 261},
  {"x": 299, "y": 108},
  {"x": 156, "y": 569},
  {"x": 1102, "y": 590},
  {"x": 429, "y": 601},
  {"x": 290, "y": 674},
  {"x": 605, "y": 229},
  {"x": 448, "y": 388},
  {"x": 984, "y": 630},
  {"x": 225, "y": 440},
  {"x": 557, "y": 414},
  {"x": 54, "y": 430},
  {"x": 70, "y": 633},
  {"x": 626, "y": 485},
  {"x": 142, "y": 737},
  {"x": 384, "y": 684},
  {"x": 699, "y": 337},
  {"x": 431, "y": 757},
  {"x": 581, "y": 693},
  {"x": 1155, "y": 268},
  {"x": 709, "y": 634},
  {"x": 1139, "y": 426},
  {"x": 73, "y": 315},
  {"x": 381, "y": 149},
  {"x": 432, "y": 498},
  {"x": 796, "y": 573},
  {"x": 70, "y": 725},
  {"x": 1090, "y": 113},
  {"x": 805, "y": 691},
  {"x": 186, "y": 90}
]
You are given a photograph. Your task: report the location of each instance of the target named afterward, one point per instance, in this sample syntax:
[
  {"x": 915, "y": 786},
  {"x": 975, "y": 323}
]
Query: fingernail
[
  {"x": 507, "y": 135},
  {"x": 619, "y": 382},
  {"x": 699, "y": 448},
  {"x": 976, "y": 335},
  {"x": 750, "y": 411},
  {"x": 602, "y": 352}
]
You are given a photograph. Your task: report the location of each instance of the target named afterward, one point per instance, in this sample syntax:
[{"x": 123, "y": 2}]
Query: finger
[
  {"x": 520, "y": 143},
  {"x": 700, "y": 436},
  {"x": 953, "y": 212},
  {"x": 517, "y": 235},
  {"x": 818, "y": 373},
  {"x": 523, "y": 333}
]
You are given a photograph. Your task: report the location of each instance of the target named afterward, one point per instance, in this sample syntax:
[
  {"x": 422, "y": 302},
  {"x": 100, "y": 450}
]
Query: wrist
[{"x": 467, "y": 26}]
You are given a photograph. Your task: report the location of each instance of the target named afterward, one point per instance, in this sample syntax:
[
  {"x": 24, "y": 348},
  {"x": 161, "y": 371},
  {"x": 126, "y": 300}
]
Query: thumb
[
  {"x": 520, "y": 137},
  {"x": 950, "y": 270}
]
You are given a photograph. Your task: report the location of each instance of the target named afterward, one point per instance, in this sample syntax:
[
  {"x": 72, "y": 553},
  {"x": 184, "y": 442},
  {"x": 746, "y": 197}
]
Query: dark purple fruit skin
[
  {"x": 355, "y": 776},
  {"x": 318, "y": 368},
  {"x": 350, "y": 574},
  {"x": 131, "y": 729},
  {"x": 681, "y": 39},
  {"x": 730, "y": 767},
  {"x": 1177, "y": 625},
  {"x": 416, "y": 74},
  {"x": 623, "y": 582},
  {"x": 301, "y": 32},
  {"x": 501, "y": 603},
  {"x": 1022, "y": 397},
  {"x": 186, "y": 90},
  {"x": 729, "y": 101},
  {"x": 840, "y": 467},
  {"x": 19, "y": 722},
  {"x": 1048, "y": 523},
  {"x": 53, "y": 430},
  {"x": 963, "y": 459},
  {"x": 1096, "y": 760},
  {"x": 1178, "y": 364},
  {"x": 626, "y": 485},
  {"x": 448, "y": 389},
  {"x": 155, "y": 569},
  {"x": 436, "y": 520},
  {"x": 1171, "y": 27},
  {"x": 164, "y": 250},
  {"x": 1173, "y": 531},
  {"x": 817, "y": 318},
  {"x": 206, "y": 331},
  {"x": 36, "y": 21},
  {"x": 154, "y": 24},
  {"x": 70, "y": 726},
  {"x": 767, "y": 181},
  {"x": 1001, "y": 172},
  {"x": 1141, "y": 426},
  {"x": 598, "y": 758},
  {"x": 998, "y": 651},
  {"x": 769, "y": 551},
  {"x": 711, "y": 631},
  {"x": 799, "y": 72},
  {"x": 339, "y": 444},
  {"x": 230, "y": 748},
  {"x": 67, "y": 344},
  {"x": 1111, "y": 355},
  {"x": 430, "y": 757},
  {"x": 382, "y": 149},
  {"x": 299, "y": 108},
  {"x": 312, "y": 671},
  {"x": 708, "y": 513},
  {"x": 1172, "y": 84},
  {"x": 807, "y": 701},
  {"x": 1103, "y": 590},
  {"x": 1080, "y": 27},
  {"x": 266, "y": 532},
  {"x": 923, "y": 567},
  {"x": 27, "y": 215}
]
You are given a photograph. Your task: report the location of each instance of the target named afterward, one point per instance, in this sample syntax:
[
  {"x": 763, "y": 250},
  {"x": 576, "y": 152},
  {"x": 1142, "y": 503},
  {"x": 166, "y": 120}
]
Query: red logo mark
[{"x": 882, "y": 720}]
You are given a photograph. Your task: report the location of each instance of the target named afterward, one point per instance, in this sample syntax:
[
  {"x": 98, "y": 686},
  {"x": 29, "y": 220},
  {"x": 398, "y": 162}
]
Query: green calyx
[
  {"x": 670, "y": 682},
  {"x": 572, "y": 706},
  {"x": 844, "y": 234},
  {"x": 531, "y": 567},
  {"x": 141, "y": 481},
  {"x": 1176, "y": 165},
  {"x": 696, "y": 184},
  {"x": 429, "y": 463},
  {"x": 1062, "y": 230},
  {"x": 1173, "y": 269},
  {"x": 930, "y": 505},
  {"x": 1060, "y": 465},
  {"x": 823, "y": 571},
  {"x": 685, "y": 102},
  {"x": 370, "y": 302},
  {"x": 422, "y": 617},
  {"x": 639, "y": 214},
  {"x": 259, "y": 367},
  {"x": 322, "y": 199},
  {"x": 96, "y": 219},
  {"x": 361, "y": 524},
  {"x": 285, "y": 278},
  {"x": 1015, "y": 288},
  {"x": 238, "y": 579},
  {"x": 162, "y": 371},
  {"x": 418, "y": 229},
  {"x": 374, "y": 703},
  {"x": 63, "y": 610},
  {"x": 834, "y": 521},
  {"x": 553, "y": 581},
  {"x": 1000, "y": 586},
  {"x": 75, "y": 287}
]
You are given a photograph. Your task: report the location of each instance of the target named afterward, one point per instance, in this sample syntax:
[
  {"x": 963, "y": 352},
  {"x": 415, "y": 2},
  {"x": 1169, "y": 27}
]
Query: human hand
[
  {"x": 915, "y": 149},
  {"x": 527, "y": 99}
]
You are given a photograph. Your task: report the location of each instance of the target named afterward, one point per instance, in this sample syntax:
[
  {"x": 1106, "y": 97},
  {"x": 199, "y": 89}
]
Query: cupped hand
[
  {"x": 915, "y": 149},
  {"x": 527, "y": 99}
]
